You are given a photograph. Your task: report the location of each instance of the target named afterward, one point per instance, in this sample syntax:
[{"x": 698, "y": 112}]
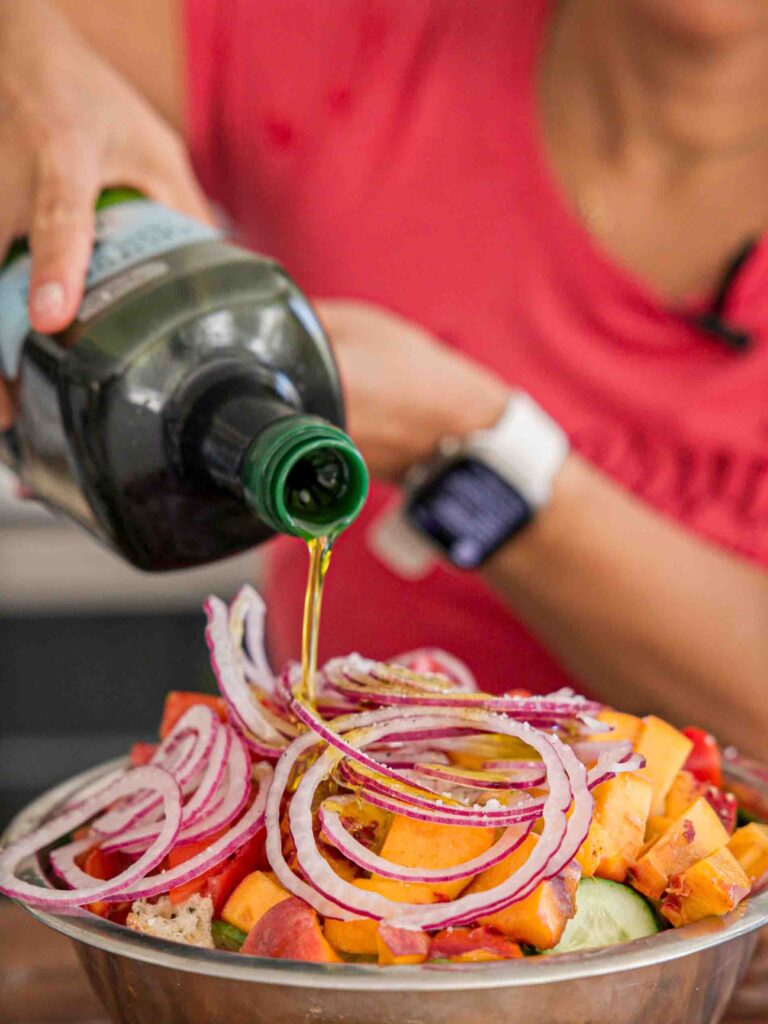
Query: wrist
[
  {"x": 477, "y": 405},
  {"x": 469, "y": 402},
  {"x": 553, "y": 529},
  {"x": 482, "y": 490}
]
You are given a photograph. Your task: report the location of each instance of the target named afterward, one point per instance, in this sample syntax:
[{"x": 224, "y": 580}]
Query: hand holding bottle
[
  {"x": 404, "y": 389},
  {"x": 71, "y": 126}
]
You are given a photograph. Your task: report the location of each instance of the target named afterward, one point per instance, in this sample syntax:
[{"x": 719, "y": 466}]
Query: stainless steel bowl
[{"x": 676, "y": 977}]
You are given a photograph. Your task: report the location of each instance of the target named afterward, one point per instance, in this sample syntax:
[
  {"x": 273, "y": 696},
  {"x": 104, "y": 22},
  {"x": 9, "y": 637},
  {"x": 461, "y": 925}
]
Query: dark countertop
[{"x": 41, "y": 981}]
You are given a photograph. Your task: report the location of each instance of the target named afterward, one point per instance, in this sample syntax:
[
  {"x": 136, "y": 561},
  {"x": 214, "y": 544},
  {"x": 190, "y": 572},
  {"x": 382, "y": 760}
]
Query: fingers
[
  {"x": 60, "y": 239},
  {"x": 62, "y": 218}
]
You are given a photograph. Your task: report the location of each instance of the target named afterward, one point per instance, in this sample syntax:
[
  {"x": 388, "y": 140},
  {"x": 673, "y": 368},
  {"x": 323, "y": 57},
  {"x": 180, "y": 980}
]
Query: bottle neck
[
  {"x": 305, "y": 477},
  {"x": 300, "y": 474}
]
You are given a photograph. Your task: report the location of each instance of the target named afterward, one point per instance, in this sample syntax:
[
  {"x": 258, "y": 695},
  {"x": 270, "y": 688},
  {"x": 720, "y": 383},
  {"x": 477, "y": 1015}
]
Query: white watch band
[{"x": 526, "y": 447}]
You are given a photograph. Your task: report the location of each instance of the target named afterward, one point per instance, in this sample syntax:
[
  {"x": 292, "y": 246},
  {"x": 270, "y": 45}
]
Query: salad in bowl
[{"x": 401, "y": 816}]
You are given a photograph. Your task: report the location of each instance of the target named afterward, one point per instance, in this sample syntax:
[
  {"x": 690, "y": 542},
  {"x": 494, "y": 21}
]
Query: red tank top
[{"x": 388, "y": 151}]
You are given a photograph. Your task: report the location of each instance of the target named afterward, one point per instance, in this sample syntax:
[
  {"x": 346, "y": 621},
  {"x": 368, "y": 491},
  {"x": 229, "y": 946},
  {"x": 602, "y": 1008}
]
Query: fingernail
[{"x": 48, "y": 300}]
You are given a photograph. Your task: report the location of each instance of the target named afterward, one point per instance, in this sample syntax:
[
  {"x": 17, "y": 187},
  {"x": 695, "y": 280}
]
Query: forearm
[{"x": 644, "y": 614}]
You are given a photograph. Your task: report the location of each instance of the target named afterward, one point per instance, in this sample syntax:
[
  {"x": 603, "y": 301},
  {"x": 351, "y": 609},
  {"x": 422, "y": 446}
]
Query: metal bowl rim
[{"x": 115, "y": 939}]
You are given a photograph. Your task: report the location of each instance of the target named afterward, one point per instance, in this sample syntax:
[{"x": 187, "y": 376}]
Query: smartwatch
[{"x": 477, "y": 494}]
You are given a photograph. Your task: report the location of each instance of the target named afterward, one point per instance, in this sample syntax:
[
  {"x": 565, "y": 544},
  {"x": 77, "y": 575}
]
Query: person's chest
[
  {"x": 423, "y": 188},
  {"x": 435, "y": 208}
]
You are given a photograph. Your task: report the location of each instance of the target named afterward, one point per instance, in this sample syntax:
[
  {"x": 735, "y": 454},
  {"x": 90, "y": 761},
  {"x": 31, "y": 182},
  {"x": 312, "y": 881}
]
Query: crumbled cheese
[{"x": 188, "y": 922}]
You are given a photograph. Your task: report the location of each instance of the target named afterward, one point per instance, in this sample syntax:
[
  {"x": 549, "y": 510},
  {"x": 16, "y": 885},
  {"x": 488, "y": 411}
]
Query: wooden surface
[{"x": 41, "y": 981}]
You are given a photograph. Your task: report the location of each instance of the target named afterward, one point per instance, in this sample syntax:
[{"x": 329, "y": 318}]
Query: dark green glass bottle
[{"x": 192, "y": 410}]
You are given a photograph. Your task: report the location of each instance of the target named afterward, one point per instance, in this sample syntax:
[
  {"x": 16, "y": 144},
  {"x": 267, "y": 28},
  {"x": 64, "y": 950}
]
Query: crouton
[{"x": 188, "y": 922}]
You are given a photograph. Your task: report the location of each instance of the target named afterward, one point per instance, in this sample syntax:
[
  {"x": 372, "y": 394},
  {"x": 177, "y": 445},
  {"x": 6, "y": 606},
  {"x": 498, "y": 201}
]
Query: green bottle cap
[{"x": 305, "y": 477}]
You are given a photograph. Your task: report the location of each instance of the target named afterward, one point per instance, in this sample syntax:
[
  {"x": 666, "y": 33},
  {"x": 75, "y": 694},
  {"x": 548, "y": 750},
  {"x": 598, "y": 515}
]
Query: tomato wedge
[
  {"x": 141, "y": 753},
  {"x": 104, "y": 866},
  {"x": 705, "y": 761},
  {"x": 179, "y": 701},
  {"x": 221, "y": 880}
]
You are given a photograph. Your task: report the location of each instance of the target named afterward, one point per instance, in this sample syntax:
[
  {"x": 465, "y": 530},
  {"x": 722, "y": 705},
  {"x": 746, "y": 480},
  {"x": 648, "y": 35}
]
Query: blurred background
[{"x": 61, "y": 711}]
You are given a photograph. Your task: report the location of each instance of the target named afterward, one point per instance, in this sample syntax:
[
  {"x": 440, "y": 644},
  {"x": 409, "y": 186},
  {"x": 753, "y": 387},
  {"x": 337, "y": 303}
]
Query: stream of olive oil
[{"x": 319, "y": 559}]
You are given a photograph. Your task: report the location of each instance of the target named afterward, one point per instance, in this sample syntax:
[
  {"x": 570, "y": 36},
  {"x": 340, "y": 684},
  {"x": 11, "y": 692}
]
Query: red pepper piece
[
  {"x": 705, "y": 760},
  {"x": 104, "y": 866},
  {"x": 179, "y": 701},
  {"x": 468, "y": 944},
  {"x": 141, "y": 753},
  {"x": 223, "y": 879}
]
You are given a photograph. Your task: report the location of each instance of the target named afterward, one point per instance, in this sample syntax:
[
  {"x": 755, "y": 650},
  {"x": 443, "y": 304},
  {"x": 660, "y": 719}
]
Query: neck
[{"x": 632, "y": 79}]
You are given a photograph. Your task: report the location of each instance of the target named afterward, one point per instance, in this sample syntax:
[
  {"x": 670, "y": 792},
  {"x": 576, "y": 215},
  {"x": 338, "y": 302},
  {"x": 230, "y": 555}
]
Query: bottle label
[{"x": 126, "y": 234}]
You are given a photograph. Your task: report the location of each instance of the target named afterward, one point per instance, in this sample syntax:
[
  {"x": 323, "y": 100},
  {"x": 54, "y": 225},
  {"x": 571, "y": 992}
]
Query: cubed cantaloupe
[
  {"x": 360, "y": 936},
  {"x": 683, "y": 792},
  {"x": 625, "y": 727},
  {"x": 425, "y": 844},
  {"x": 691, "y": 837},
  {"x": 656, "y": 824},
  {"x": 541, "y": 917},
  {"x": 399, "y": 892},
  {"x": 714, "y": 885},
  {"x": 749, "y": 845},
  {"x": 254, "y": 896},
  {"x": 665, "y": 750},
  {"x": 617, "y": 832}
]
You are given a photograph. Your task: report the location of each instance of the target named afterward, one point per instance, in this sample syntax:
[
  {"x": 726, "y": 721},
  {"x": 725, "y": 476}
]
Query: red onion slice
[
  {"x": 267, "y": 751},
  {"x": 441, "y": 808},
  {"x": 233, "y": 780},
  {"x": 247, "y": 615},
  {"x": 287, "y": 683},
  {"x": 242, "y": 699},
  {"x": 90, "y": 790},
  {"x": 153, "y": 885},
  {"x": 509, "y": 706},
  {"x": 480, "y": 816},
  {"x": 274, "y": 846},
  {"x": 608, "y": 766},
  {"x": 481, "y": 780},
  {"x": 567, "y": 781},
  {"x": 282, "y": 777},
  {"x": 589, "y": 752},
  {"x": 137, "y": 780},
  {"x": 62, "y": 862},
  {"x": 408, "y": 756},
  {"x": 511, "y": 765},
  {"x": 447, "y": 664},
  {"x": 411, "y": 723},
  {"x": 389, "y": 684},
  {"x": 248, "y": 826},
  {"x": 183, "y": 753}
]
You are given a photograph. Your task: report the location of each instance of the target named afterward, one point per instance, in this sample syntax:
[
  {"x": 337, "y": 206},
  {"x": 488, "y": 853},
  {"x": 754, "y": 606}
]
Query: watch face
[{"x": 468, "y": 510}]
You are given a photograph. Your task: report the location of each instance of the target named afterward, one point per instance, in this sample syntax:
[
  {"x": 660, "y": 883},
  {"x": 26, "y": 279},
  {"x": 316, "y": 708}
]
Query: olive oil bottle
[{"x": 193, "y": 408}]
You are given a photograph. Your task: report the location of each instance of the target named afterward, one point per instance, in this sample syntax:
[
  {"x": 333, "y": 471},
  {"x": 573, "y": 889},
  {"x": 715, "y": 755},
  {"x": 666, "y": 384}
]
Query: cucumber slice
[
  {"x": 607, "y": 913},
  {"x": 745, "y": 817},
  {"x": 226, "y": 936}
]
